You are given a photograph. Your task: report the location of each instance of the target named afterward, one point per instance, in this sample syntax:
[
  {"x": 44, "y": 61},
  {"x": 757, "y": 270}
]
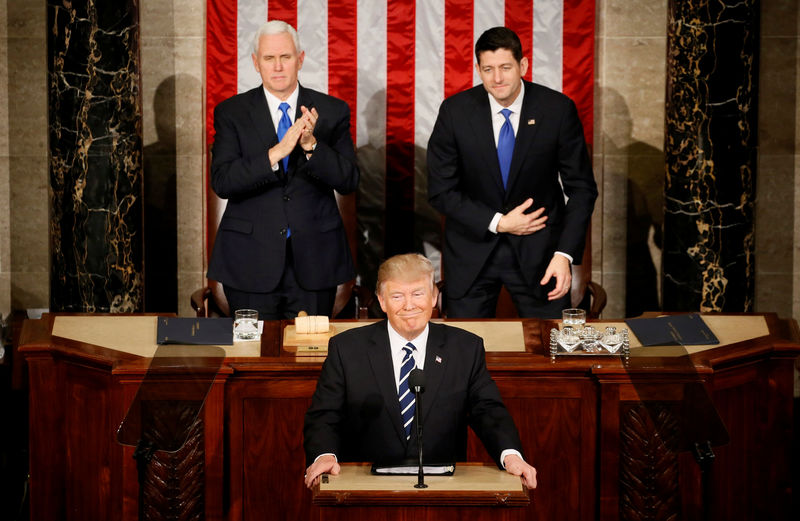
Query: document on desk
[
  {"x": 684, "y": 330},
  {"x": 412, "y": 470},
  {"x": 195, "y": 331}
]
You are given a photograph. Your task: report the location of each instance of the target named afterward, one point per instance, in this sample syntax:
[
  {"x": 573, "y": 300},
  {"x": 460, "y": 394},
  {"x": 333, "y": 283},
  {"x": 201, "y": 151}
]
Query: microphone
[{"x": 416, "y": 383}]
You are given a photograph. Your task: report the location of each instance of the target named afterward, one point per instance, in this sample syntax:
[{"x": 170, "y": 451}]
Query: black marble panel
[
  {"x": 710, "y": 151},
  {"x": 95, "y": 139}
]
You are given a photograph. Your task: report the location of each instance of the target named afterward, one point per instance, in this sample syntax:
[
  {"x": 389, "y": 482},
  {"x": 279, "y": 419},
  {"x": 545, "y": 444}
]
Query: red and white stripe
[{"x": 394, "y": 62}]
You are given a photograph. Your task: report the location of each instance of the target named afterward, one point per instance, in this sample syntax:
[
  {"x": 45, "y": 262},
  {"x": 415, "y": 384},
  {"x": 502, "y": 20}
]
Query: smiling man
[
  {"x": 501, "y": 159},
  {"x": 280, "y": 150},
  {"x": 362, "y": 409}
]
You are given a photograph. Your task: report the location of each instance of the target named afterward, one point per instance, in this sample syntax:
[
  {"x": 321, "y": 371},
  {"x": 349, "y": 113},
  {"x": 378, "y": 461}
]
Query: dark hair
[{"x": 499, "y": 38}]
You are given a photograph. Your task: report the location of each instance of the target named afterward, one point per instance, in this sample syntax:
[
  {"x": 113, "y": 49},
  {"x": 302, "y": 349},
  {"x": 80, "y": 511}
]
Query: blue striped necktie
[
  {"x": 283, "y": 125},
  {"x": 505, "y": 146},
  {"x": 407, "y": 398}
]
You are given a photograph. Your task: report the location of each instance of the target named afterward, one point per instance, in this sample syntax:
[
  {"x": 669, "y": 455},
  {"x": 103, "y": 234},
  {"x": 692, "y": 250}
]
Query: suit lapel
[
  {"x": 380, "y": 358},
  {"x": 260, "y": 117},
  {"x": 481, "y": 121},
  {"x": 525, "y": 134},
  {"x": 435, "y": 365}
]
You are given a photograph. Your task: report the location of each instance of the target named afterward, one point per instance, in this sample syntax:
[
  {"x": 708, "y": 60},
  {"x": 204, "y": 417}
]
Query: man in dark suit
[
  {"x": 362, "y": 409},
  {"x": 495, "y": 157},
  {"x": 279, "y": 153}
]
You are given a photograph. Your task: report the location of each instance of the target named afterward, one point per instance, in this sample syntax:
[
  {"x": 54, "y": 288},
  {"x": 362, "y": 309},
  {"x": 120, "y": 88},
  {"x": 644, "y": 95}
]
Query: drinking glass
[
  {"x": 573, "y": 317},
  {"x": 245, "y": 324}
]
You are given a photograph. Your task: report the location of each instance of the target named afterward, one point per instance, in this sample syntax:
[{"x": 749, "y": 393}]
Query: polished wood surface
[
  {"x": 474, "y": 491},
  {"x": 581, "y": 419}
]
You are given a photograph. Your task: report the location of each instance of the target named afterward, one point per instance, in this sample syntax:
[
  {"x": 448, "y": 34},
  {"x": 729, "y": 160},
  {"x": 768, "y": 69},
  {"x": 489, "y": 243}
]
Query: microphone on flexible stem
[{"x": 416, "y": 383}]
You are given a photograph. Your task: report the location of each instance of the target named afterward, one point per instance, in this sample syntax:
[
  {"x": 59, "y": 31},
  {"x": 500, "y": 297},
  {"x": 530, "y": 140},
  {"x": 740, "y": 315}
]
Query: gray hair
[{"x": 276, "y": 27}]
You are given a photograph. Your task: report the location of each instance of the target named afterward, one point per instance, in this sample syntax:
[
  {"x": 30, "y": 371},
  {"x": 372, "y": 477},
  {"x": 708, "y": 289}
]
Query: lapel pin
[
  {"x": 531, "y": 122},
  {"x": 438, "y": 359}
]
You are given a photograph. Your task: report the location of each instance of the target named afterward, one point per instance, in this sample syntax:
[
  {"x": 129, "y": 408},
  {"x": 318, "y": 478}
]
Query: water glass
[
  {"x": 573, "y": 317},
  {"x": 245, "y": 324}
]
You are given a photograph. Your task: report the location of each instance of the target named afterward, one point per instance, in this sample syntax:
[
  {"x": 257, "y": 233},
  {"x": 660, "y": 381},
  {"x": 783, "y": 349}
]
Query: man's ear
[
  {"x": 435, "y": 294},
  {"x": 380, "y": 301}
]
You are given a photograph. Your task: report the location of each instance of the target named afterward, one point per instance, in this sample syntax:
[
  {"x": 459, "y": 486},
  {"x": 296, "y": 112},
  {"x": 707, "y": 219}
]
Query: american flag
[{"x": 394, "y": 62}]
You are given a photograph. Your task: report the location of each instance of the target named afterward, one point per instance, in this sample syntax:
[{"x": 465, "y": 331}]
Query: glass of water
[
  {"x": 573, "y": 317},
  {"x": 245, "y": 324}
]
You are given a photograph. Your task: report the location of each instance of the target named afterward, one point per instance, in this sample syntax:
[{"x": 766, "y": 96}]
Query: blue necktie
[
  {"x": 505, "y": 147},
  {"x": 283, "y": 126},
  {"x": 405, "y": 395}
]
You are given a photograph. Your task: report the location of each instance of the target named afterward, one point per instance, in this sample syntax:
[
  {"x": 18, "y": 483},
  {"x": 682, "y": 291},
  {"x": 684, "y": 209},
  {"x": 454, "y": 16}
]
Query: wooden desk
[
  {"x": 475, "y": 492},
  {"x": 581, "y": 419}
]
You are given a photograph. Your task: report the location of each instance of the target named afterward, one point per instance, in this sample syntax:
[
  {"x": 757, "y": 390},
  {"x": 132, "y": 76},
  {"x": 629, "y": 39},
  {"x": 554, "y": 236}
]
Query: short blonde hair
[{"x": 405, "y": 267}]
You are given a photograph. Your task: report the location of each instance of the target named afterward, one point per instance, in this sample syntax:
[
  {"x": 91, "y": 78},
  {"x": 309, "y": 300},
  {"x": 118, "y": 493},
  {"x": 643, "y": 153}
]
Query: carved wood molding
[
  {"x": 173, "y": 488},
  {"x": 648, "y": 477}
]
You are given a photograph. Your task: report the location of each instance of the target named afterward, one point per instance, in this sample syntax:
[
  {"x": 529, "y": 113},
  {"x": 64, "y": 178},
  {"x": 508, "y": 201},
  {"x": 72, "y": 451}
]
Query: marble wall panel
[
  {"x": 96, "y": 162},
  {"x": 711, "y": 156}
]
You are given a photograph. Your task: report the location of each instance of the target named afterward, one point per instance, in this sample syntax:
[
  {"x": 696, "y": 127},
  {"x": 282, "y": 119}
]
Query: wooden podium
[
  {"x": 586, "y": 423},
  {"x": 475, "y": 491}
]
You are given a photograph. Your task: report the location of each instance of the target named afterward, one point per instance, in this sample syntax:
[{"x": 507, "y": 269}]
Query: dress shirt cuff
[
  {"x": 506, "y": 453},
  {"x": 495, "y": 220},
  {"x": 326, "y": 454},
  {"x": 275, "y": 166},
  {"x": 569, "y": 257}
]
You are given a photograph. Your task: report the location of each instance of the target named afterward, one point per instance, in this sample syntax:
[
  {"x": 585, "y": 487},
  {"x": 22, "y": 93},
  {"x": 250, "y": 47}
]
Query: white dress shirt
[{"x": 396, "y": 344}]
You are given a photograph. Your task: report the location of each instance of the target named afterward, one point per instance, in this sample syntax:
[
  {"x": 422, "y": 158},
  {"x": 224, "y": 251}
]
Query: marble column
[
  {"x": 95, "y": 156},
  {"x": 710, "y": 150}
]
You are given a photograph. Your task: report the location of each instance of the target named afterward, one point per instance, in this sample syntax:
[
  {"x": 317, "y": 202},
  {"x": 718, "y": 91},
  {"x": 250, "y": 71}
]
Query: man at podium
[{"x": 362, "y": 409}]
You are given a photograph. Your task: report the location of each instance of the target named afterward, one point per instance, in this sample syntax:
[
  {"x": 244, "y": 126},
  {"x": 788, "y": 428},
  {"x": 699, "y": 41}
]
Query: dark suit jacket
[
  {"x": 464, "y": 183},
  {"x": 250, "y": 247},
  {"x": 355, "y": 412}
]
